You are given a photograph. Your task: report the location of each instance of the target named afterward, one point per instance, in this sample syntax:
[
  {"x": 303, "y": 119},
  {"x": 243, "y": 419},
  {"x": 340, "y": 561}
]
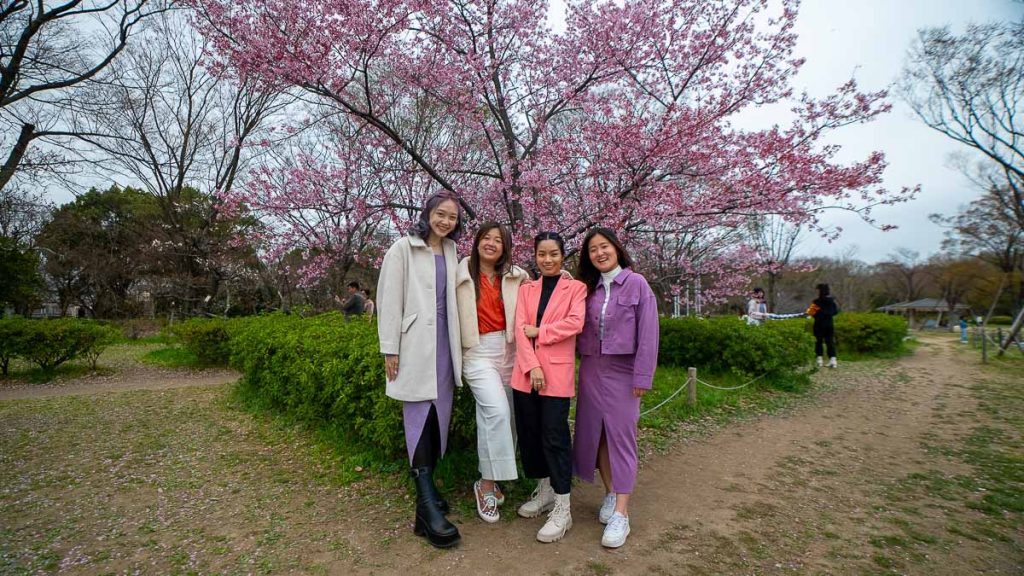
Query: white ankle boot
[
  {"x": 559, "y": 520},
  {"x": 543, "y": 499},
  {"x": 819, "y": 362},
  {"x": 832, "y": 362}
]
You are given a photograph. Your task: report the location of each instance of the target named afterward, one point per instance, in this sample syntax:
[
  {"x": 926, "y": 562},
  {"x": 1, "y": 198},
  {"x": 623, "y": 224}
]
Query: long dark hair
[
  {"x": 588, "y": 272},
  {"x": 422, "y": 226},
  {"x": 503, "y": 265}
]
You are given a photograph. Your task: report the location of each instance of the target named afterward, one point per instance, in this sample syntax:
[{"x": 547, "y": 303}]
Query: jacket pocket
[
  {"x": 562, "y": 359},
  {"x": 407, "y": 321},
  {"x": 630, "y": 300}
]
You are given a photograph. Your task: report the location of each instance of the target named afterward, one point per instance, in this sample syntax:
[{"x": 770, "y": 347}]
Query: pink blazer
[{"x": 555, "y": 347}]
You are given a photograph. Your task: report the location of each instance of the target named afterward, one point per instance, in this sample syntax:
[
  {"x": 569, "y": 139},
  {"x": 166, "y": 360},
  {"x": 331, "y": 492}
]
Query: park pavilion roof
[{"x": 923, "y": 305}]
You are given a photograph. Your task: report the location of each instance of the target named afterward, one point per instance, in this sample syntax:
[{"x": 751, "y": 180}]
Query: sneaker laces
[
  {"x": 617, "y": 523},
  {"x": 490, "y": 502}
]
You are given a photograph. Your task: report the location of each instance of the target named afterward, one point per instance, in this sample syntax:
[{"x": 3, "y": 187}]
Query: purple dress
[
  {"x": 610, "y": 368},
  {"x": 414, "y": 414}
]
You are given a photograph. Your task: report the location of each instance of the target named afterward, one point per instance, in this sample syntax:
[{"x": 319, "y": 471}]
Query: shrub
[
  {"x": 870, "y": 333},
  {"x": 329, "y": 372},
  {"x": 12, "y": 336},
  {"x": 50, "y": 343},
  {"x": 95, "y": 338},
  {"x": 207, "y": 338},
  {"x": 728, "y": 344},
  {"x": 1000, "y": 321}
]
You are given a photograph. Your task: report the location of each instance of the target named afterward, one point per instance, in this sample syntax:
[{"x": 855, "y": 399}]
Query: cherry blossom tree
[{"x": 626, "y": 118}]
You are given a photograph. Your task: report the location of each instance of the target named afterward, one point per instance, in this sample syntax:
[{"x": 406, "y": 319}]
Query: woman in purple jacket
[{"x": 619, "y": 352}]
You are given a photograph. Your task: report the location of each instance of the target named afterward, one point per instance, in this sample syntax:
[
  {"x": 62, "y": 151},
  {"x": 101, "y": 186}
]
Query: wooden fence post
[
  {"x": 691, "y": 386},
  {"x": 984, "y": 345}
]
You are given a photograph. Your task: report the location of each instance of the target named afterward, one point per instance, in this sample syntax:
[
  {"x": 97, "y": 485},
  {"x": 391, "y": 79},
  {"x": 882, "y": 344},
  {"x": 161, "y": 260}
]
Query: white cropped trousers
[{"x": 487, "y": 369}]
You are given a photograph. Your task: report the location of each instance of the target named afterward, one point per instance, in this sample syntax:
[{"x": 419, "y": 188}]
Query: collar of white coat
[{"x": 462, "y": 273}]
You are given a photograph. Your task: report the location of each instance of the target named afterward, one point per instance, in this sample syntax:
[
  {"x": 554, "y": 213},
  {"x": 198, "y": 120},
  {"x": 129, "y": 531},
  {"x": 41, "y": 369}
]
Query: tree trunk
[
  {"x": 1014, "y": 329},
  {"x": 17, "y": 153}
]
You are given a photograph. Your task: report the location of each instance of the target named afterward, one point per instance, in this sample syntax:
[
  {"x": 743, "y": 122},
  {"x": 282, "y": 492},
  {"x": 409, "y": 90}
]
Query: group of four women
[{"x": 515, "y": 341}]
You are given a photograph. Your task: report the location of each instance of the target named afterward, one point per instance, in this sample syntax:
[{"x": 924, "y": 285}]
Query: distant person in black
[
  {"x": 824, "y": 309},
  {"x": 354, "y": 304}
]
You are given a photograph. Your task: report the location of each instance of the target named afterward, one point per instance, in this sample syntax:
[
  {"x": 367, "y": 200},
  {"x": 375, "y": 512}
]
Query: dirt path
[
  {"x": 716, "y": 505},
  {"x": 874, "y": 475},
  {"x": 136, "y": 377}
]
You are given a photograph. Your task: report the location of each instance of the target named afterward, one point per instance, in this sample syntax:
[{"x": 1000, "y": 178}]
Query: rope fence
[{"x": 690, "y": 385}]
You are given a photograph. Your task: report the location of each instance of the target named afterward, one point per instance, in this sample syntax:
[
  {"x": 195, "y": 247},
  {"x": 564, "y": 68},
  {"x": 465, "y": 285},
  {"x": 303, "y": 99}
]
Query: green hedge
[
  {"x": 50, "y": 343},
  {"x": 329, "y": 371},
  {"x": 728, "y": 344},
  {"x": 12, "y": 334},
  {"x": 1000, "y": 321},
  {"x": 870, "y": 333},
  {"x": 207, "y": 338}
]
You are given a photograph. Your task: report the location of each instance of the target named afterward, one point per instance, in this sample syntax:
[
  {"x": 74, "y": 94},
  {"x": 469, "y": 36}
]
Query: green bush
[
  {"x": 207, "y": 338},
  {"x": 870, "y": 333},
  {"x": 50, "y": 343},
  {"x": 12, "y": 340},
  {"x": 1000, "y": 321},
  {"x": 329, "y": 372},
  {"x": 728, "y": 344},
  {"x": 95, "y": 338}
]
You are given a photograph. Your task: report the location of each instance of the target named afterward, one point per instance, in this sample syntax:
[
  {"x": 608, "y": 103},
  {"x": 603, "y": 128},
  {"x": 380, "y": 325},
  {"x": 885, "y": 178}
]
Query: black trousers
[
  {"x": 829, "y": 339},
  {"x": 545, "y": 446}
]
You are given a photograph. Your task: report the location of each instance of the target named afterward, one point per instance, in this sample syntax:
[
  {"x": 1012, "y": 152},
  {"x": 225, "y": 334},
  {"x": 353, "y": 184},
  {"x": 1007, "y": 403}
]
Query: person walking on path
[
  {"x": 618, "y": 355},
  {"x": 824, "y": 308},
  {"x": 549, "y": 315},
  {"x": 418, "y": 326},
  {"x": 486, "y": 289}
]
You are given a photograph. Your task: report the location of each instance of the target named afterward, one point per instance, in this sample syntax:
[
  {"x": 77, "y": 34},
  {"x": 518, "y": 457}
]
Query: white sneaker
[
  {"x": 607, "y": 507},
  {"x": 832, "y": 362},
  {"x": 559, "y": 520},
  {"x": 819, "y": 362},
  {"x": 542, "y": 500},
  {"x": 616, "y": 531}
]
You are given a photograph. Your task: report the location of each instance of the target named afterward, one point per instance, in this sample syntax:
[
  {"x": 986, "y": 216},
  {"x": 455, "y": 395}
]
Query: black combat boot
[{"x": 430, "y": 520}]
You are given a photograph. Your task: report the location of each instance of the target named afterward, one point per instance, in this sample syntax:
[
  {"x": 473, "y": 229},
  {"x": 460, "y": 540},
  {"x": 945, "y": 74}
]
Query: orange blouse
[{"x": 490, "y": 311}]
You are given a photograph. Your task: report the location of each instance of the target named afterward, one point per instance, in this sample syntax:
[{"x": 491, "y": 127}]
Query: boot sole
[
  {"x": 543, "y": 510},
  {"x": 435, "y": 540},
  {"x": 568, "y": 525}
]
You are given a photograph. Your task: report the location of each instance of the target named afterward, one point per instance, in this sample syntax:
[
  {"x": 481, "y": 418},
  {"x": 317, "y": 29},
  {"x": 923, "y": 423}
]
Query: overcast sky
[{"x": 868, "y": 39}]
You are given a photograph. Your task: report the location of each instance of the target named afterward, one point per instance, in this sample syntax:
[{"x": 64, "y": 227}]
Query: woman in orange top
[
  {"x": 549, "y": 315},
  {"x": 486, "y": 286}
]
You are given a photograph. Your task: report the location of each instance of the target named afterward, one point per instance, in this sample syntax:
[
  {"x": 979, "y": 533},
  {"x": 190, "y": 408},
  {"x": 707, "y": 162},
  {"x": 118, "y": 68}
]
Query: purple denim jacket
[{"x": 630, "y": 325}]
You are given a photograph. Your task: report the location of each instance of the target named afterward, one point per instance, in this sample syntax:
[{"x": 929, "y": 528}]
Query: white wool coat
[
  {"x": 465, "y": 292},
  {"x": 407, "y": 314}
]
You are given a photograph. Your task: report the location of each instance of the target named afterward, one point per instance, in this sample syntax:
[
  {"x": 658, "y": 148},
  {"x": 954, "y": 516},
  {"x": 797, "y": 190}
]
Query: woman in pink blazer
[{"x": 549, "y": 315}]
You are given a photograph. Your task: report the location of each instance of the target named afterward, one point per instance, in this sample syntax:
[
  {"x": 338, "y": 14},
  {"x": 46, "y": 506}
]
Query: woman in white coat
[
  {"x": 418, "y": 326},
  {"x": 487, "y": 285}
]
